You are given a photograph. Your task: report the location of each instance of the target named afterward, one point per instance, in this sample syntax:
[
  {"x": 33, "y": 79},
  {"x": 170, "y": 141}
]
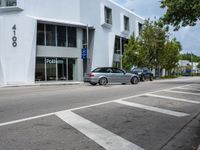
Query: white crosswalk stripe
[
  {"x": 155, "y": 109},
  {"x": 103, "y": 137},
  {"x": 181, "y": 92},
  {"x": 173, "y": 98}
]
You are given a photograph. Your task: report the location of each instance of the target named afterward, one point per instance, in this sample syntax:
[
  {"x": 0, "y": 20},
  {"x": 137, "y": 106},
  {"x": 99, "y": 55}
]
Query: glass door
[
  {"x": 62, "y": 68},
  {"x": 51, "y": 69},
  {"x": 71, "y": 69}
]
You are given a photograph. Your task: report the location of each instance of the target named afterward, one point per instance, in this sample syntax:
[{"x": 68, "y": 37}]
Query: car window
[
  {"x": 103, "y": 70},
  {"x": 115, "y": 70}
]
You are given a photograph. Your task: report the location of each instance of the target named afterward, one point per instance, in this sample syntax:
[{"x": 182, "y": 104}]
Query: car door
[{"x": 119, "y": 76}]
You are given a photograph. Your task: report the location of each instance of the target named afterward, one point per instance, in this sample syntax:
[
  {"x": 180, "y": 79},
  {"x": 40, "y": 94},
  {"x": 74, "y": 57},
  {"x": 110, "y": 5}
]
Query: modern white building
[{"x": 43, "y": 40}]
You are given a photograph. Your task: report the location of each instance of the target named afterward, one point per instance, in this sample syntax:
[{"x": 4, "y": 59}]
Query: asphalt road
[{"x": 158, "y": 115}]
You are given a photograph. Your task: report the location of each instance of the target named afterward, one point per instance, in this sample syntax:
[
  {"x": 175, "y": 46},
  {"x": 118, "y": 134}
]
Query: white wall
[{"x": 18, "y": 63}]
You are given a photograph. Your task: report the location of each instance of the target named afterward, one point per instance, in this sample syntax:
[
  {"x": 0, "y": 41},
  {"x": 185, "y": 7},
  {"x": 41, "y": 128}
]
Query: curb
[{"x": 43, "y": 84}]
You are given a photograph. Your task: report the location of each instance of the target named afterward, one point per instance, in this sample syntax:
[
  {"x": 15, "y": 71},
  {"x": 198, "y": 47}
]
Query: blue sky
[{"x": 188, "y": 36}]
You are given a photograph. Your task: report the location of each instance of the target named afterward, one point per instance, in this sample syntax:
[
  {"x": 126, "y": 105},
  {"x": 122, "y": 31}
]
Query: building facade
[{"x": 50, "y": 40}]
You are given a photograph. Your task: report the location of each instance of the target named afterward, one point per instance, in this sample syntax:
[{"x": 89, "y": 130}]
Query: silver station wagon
[{"x": 105, "y": 75}]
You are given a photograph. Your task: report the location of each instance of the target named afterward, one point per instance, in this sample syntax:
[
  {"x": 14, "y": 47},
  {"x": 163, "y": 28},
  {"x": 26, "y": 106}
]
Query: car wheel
[
  {"x": 151, "y": 78},
  {"x": 93, "y": 83},
  {"x": 142, "y": 78},
  {"x": 134, "y": 80},
  {"x": 103, "y": 81}
]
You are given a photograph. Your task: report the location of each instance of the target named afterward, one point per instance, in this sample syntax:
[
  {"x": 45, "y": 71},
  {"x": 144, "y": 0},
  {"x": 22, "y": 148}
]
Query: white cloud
[{"x": 188, "y": 36}]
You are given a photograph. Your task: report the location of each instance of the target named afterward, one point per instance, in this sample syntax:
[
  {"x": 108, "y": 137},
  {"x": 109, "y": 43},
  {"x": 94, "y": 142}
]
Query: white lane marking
[
  {"x": 101, "y": 136},
  {"x": 173, "y": 98},
  {"x": 25, "y": 119},
  {"x": 77, "y": 108},
  {"x": 155, "y": 109},
  {"x": 184, "y": 88},
  {"x": 181, "y": 92}
]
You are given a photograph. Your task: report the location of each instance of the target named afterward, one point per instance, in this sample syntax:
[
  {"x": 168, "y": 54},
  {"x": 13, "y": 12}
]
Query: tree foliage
[
  {"x": 190, "y": 57},
  {"x": 152, "y": 49},
  {"x": 180, "y": 13},
  {"x": 171, "y": 54}
]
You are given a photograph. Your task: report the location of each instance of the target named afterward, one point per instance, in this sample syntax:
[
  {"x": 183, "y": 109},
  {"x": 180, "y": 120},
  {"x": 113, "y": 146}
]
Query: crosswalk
[
  {"x": 152, "y": 102},
  {"x": 111, "y": 141}
]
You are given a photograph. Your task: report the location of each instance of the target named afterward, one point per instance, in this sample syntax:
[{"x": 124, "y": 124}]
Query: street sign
[{"x": 84, "y": 53}]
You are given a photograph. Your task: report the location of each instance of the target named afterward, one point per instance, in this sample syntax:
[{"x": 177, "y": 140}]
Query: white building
[{"x": 42, "y": 40}]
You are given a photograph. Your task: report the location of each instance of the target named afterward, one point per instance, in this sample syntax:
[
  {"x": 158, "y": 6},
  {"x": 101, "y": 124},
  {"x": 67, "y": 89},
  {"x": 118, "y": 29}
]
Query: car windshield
[{"x": 137, "y": 70}]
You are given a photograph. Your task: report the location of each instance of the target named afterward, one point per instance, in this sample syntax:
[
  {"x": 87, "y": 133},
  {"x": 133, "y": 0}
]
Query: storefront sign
[
  {"x": 51, "y": 61},
  {"x": 14, "y": 37}
]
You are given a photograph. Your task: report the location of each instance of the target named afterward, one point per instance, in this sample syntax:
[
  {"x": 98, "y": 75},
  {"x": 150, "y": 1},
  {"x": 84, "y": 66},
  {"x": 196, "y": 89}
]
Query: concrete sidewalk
[{"x": 44, "y": 83}]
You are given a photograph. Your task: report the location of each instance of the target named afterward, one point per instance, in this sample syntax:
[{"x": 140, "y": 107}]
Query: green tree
[
  {"x": 180, "y": 13},
  {"x": 198, "y": 66},
  {"x": 130, "y": 56},
  {"x": 190, "y": 57},
  {"x": 171, "y": 55},
  {"x": 153, "y": 39}
]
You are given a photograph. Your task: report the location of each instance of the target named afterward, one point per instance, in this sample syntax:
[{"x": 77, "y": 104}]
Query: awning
[{"x": 62, "y": 22}]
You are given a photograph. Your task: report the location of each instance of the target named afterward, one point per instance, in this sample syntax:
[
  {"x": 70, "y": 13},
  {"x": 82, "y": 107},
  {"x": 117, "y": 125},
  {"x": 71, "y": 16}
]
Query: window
[
  {"x": 108, "y": 15},
  {"x": 126, "y": 23},
  {"x": 50, "y": 35},
  {"x": 8, "y": 3},
  {"x": 115, "y": 70},
  {"x": 40, "y": 34},
  {"x": 11, "y": 3},
  {"x": 117, "y": 45},
  {"x": 140, "y": 28},
  {"x": 72, "y": 37},
  {"x": 61, "y": 36}
]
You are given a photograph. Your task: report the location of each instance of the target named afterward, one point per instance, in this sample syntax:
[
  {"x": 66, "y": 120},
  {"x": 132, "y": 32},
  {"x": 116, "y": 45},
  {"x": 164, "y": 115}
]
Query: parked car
[
  {"x": 105, "y": 75},
  {"x": 143, "y": 73}
]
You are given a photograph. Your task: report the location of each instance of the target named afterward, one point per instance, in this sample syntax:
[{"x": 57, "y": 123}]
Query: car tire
[
  {"x": 151, "y": 78},
  {"x": 134, "y": 80},
  {"x": 93, "y": 83},
  {"x": 142, "y": 78},
  {"x": 103, "y": 81}
]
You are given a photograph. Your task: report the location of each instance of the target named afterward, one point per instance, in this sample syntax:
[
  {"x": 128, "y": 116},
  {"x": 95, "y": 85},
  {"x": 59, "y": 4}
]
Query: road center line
[
  {"x": 103, "y": 137},
  {"x": 83, "y": 107},
  {"x": 181, "y": 92},
  {"x": 173, "y": 98},
  {"x": 155, "y": 109}
]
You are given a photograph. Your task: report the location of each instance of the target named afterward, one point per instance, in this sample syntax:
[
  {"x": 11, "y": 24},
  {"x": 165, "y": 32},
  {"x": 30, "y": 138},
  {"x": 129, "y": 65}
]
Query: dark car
[
  {"x": 104, "y": 75},
  {"x": 143, "y": 73}
]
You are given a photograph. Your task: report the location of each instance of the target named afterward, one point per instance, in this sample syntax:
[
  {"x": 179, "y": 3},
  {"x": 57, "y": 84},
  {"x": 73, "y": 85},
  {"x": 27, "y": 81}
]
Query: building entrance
[{"x": 55, "y": 69}]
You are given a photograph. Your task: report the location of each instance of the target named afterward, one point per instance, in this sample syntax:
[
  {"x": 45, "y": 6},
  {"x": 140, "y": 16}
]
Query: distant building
[
  {"x": 186, "y": 65},
  {"x": 43, "y": 40}
]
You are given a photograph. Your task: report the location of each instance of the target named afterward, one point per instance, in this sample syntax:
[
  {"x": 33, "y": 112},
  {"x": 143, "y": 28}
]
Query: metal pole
[
  {"x": 121, "y": 52},
  {"x": 87, "y": 46}
]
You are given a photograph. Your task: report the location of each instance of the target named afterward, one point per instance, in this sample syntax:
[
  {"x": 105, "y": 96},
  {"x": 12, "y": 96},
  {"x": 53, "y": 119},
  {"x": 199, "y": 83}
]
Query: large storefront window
[
  {"x": 62, "y": 68},
  {"x": 50, "y": 35},
  {"x": 56, "y": 35},
  {"x": 51, "y": 68},
  {"x": 40, "y": 34},
  {"x": 55, "y": 69},
  {"x": 61, "y": 36},
  {"x": 71, "y": 37}
]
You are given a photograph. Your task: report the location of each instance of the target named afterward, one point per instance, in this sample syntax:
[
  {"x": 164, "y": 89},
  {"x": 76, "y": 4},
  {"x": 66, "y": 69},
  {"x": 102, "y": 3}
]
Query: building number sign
[{"x": 14, "y": 37}]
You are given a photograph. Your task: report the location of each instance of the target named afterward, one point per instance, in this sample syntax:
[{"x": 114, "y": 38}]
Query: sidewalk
[{"x": 44, "y": 83}]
